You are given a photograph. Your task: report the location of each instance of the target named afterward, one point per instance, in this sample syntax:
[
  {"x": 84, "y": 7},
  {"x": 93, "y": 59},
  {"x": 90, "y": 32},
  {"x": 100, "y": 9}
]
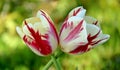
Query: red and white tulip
[
  {"x": 39, "y": 34},
  {"x": 80, "y": 33}
]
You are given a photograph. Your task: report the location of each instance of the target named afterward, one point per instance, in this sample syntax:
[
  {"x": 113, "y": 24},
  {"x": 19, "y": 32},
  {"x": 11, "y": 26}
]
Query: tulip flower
[
  {"x": 39, "y": 34},
  {"x": 80, "y": 33}
]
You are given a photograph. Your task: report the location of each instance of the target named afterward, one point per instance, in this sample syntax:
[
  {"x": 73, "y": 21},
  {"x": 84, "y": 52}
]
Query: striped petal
[
  {"x": 74, "y": 39},
  {"x": 99, "y": 40},
  {"x": 103, "y": 38},
  {"x": 46, "y": 19},
  {"x": 91, "y": 20},
  {"x": 78, "y": 11},
  {"x": 38, "y": 41},
  {"x": 39, "y": 34},
  {"x": 73, "y": 33},
  {"x": 95, "y": 35}
]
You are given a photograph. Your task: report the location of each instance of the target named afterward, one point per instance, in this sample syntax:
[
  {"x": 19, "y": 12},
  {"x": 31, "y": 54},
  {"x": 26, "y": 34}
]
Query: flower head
[
  {"x": 39, "y": 34},
  {"x": 80, "y": 33}
]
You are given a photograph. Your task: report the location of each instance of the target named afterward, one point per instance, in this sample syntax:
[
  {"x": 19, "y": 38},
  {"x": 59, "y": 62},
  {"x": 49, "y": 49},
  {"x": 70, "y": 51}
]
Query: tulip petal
[
  {"x": 32, "y": 45},
  {"x": 26, "y": 31},
  {"x": 42, "y": 17},
  {"x": 100, "y": 39},
  {"x": 79, "y": 11},
  {"x": 73, "y": 33},
  {"x": 32, "y": 20},
  {"x": 93, "y": 32},
  {"x": 53, "y": 42},
  {"x": 38, "y": 42},
  {"x": 95, "y": 35},
  {"x": 92, "y": 29},
  {"x": 46, "y": 20},
  {"x": 80, "y": 49},
  {"x": 37, "y": 47},
  {"x": 91, "y": 20},
  {"x": 20, "y": 32}
]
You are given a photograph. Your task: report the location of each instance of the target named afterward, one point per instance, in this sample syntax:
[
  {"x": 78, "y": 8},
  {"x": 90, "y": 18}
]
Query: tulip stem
[
  {"x": 55, "y": 62},
  {"x": 49, "y": 64}
]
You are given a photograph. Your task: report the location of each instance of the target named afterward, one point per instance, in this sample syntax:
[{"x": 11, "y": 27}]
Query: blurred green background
[{"x": 15, "y": 55}]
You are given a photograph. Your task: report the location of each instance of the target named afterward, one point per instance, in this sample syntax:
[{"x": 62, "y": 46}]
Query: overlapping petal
[
  {"x": 91, "y": 20},
  {"x": 86, "y": 39},
  {"x": 39, "y": 34},
  {"x": 73, "y": 33},
  {"x": 78, "y": 34},
  {"x": 95, "y": 35},
  {"x": 78, "y": 11}
]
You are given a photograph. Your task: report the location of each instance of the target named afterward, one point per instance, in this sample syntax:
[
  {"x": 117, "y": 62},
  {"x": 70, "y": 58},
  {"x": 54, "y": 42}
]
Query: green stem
[
  {"x": 49, "y": 64},
  {"x": 55, "y": 62},
  {"x": 59, "y": 64}
]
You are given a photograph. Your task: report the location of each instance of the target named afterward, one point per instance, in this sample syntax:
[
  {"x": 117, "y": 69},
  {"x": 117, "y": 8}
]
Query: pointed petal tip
[
  {"x": 18, "y": 29},
  {"x": 81, "y": 7},
  {"x": 40, "y": 12},
  {"x": 103, "y": 39},
  {"x": 107, "y": 36},
  {"x": 78, "y": 11}
]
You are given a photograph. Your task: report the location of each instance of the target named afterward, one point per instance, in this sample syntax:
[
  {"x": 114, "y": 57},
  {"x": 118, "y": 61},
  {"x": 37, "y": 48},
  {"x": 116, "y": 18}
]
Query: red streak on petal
[
  {"x": 66, "y": 18},
  {"x": 95, "y": 23},
  {"x": 81, "y": 48},
  {"x": 96, "y": 42},
  {"x": 71, "y": 25},
  {"x": 53, "y": 29},
  {"x": 84, "y": 48},
  {"x": 40, "y": 45},
  {"x": 74, "y": 33},
  {"x": 63, "y": 26},
  {"x": 91, "y": 38},
  {"x": 76, "y": 12}
]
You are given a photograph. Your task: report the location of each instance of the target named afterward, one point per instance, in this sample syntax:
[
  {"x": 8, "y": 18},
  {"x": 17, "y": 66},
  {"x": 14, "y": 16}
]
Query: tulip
[
  {"x": 80, "y": 33},
  {"x": 39, "y": 34}
]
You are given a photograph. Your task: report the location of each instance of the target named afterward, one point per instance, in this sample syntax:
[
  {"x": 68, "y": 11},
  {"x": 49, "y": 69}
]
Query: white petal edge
[
  {"x": 81, "y": 13},
  {"x": 25, "y": 29},
  {"x": 103, "y": 37},
  {"x": 20, "y": 32},
  {"x": 53, "y": 42},
  {"x": 43, "y": 17},
  {"x": 34, "y": 50},
  {"x": 91, "y": 20}
]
